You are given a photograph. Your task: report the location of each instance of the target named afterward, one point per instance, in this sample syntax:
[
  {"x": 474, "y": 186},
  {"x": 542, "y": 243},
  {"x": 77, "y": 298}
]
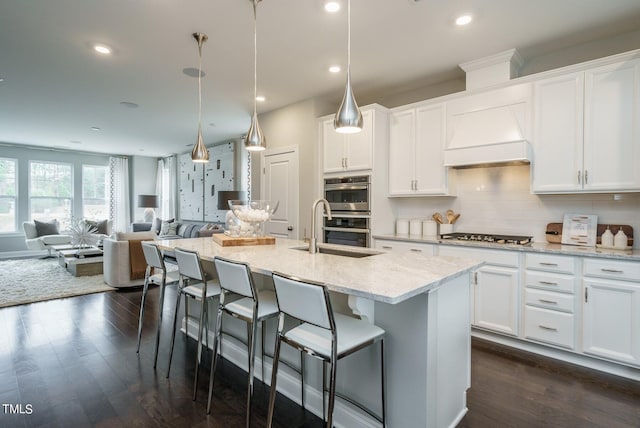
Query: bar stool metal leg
[
  {"x": 203, "y": 312},
  {"x": 175, "y": 321},
  {"x": 155, "y": 356},
  {"x": 145, "y": 289}
]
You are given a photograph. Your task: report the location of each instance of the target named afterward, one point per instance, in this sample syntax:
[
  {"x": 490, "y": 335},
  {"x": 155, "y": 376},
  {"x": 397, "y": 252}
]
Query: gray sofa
[{"x": 178, "y": 229}]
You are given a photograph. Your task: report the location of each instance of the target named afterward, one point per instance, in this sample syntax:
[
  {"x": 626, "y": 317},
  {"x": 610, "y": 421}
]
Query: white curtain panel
[
  {"x": 119, "y": 203},
  {"x": 166, "y": 187}
]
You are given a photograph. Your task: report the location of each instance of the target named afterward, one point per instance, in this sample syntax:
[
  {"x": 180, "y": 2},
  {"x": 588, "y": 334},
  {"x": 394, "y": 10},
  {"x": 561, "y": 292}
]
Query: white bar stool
[
  {"x": 155, "y": 261},
  {"x": 253, "y": 307},
  {"x": 206, "y": 289},
  {"x": 323, "y": 334}
]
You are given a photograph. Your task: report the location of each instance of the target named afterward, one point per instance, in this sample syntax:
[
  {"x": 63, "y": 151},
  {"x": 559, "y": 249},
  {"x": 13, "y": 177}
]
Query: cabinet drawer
[
  {"x": 549, "y": 326},
  {"x": 550, "y": 281},
  {"x": 604, "y": 268},
  {"x": 550, "y": 263},
  {"x": 494, "y": 257},
  {"x": 550, "y": 300}
]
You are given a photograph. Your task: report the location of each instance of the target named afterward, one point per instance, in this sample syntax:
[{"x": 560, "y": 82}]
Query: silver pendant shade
[
  {"x": 255, "y": 141},
  {"x": 200, "y": 153},
  {"x": 348, "y": 119}
]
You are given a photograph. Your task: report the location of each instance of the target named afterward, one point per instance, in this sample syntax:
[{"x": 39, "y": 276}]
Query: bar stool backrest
[
  {"x": 152, "y": 255},
  {"x": 235, "y": 277},
  {"x": 305, "y": 300},
  {"x": 189, "y": 264}
]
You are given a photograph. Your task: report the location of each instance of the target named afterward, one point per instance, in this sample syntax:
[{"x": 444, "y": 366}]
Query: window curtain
[
  {"x": 166, "y": 187},
  {"x": 119, "y": 205}
]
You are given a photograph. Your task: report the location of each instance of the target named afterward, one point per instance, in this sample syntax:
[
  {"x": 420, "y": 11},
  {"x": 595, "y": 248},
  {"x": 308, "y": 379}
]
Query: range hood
[{"x": 489, "y": 135}]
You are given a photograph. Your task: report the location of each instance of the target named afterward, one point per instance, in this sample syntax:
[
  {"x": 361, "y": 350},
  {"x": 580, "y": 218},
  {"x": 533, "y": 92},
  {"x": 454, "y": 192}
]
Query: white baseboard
[{"x": 344, "y": 414}]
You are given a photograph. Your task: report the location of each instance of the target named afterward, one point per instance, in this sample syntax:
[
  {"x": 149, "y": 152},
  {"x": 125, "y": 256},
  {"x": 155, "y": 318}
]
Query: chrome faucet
[{"x": 313, "y": 248}]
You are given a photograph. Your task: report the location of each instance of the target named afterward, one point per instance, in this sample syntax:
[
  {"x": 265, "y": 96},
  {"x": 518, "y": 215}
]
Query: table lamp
[{"x": 148, "y": 202}]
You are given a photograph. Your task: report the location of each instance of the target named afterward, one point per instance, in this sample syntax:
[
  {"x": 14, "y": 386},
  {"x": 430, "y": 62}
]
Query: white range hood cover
[{"x": 488, "y": 136}]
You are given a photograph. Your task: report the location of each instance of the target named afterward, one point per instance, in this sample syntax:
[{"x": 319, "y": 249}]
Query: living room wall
[{"x": 11, "y": 242}]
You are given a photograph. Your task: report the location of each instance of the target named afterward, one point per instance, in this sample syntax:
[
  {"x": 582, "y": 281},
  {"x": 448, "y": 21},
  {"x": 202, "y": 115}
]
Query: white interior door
[{"x": 280, "y": 182}]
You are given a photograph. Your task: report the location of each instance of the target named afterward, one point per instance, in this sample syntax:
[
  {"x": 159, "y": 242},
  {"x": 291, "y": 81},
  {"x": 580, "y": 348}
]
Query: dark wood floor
[{"x": 73, "y": 361}]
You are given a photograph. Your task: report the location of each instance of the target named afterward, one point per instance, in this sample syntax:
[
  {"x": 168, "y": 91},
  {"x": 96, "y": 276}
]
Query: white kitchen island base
[{"x": 427, "y": 360}]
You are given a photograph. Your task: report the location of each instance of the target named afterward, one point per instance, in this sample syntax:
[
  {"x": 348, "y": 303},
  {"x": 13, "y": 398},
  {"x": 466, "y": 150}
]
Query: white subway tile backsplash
[{"x": 498, "y": 200}]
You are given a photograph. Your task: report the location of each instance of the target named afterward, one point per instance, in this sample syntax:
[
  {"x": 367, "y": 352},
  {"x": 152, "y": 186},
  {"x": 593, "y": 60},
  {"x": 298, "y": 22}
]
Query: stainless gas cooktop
[{"x": 491, "y": 238}]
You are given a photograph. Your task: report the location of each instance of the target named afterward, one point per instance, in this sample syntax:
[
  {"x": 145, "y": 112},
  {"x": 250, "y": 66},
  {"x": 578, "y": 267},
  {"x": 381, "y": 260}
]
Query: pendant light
[
  {"x": 200, "y": 154},
  {"x": 255, "y": 141},
  {"x": 348, "y": 119}
]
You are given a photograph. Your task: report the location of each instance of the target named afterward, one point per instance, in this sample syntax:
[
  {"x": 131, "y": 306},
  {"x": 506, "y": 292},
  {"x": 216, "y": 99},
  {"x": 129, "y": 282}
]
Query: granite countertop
[
  {"x": 536, "y": 247},
  {"x": 384, "y": 277}
]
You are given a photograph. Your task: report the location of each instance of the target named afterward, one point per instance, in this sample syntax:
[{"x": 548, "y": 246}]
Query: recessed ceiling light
[
  {"x": 102, "y": 49},
  {"x": 334, "y": 69},
  {"x": 463, "y": 19},
  {"x": 212, "y": 124},
  {"x": 95, "y": 128},
  {"x": 332, "y": 6},
  {"x": 1, "y": 79},
  {"x": 260, "y": 98}
]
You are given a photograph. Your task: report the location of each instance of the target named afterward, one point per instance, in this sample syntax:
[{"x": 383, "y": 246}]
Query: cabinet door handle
[
  {"x": 346, "y": 163},
  {"x": 548, "y": 264},
  {"x": 548, "y": 283},
  {"x": 586, "y": 177},
  {"x": 579, "y": 177},
  {"x": 611, "y": 270},
  {"x": 416, "y": 250},
  {"x": 550, "y": 302},
  {"x": 544, "y": 327},
  {"x": 387, "y": 247},
  {"x": 586, "y": 295},
  {"x": 415, "y": 186}
]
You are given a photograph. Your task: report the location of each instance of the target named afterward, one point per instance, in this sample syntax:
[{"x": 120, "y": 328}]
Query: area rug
[{"x": 35, "y": 280}]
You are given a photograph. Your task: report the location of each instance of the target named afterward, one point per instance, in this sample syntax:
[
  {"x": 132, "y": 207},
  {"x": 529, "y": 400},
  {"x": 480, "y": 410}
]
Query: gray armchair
[{"x": 42, "y": 242}]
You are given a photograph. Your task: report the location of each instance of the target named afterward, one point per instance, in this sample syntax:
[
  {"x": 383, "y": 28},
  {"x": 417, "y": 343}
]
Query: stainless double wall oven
[{"x": 349, "y": 199}]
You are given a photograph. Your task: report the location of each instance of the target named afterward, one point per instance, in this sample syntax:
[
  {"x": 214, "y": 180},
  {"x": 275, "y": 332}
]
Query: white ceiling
[{"x": 56, "y": 88}]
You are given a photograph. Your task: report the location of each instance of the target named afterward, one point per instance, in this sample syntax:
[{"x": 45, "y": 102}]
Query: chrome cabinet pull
[
  {"x": 548, "y": 283},
  {"x": 415, "y": 187},
  {"x": 416, "y": 250},
  {"x": 346, "y": 163},
  {"x": 550, "y": 302},
  {"x": 387, "y": 247},
  {"x": 611, "y": 270},
  {"x": 544, "y": 327},
  {"x": 586, "y": 177},
  {"x": 579, "y": 177},
  {"x": 548, "y": 264}
]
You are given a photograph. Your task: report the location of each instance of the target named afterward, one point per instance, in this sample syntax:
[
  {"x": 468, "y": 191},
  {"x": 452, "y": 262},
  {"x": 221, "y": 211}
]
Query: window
[
  {"x": 95, "y": 203},
  {"x": 8, "y": 180},
  {"x": 51, "y": 192}
]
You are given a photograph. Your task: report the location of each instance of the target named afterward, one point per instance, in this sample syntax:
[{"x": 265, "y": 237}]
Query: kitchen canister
[
  {"x": 429, "y": 228},
  {"x": 446, "y": 228},
  {"x": 402, "y": 226},
  {"x": 620, "y": 240},
  {"x": 415, "y": 227}
]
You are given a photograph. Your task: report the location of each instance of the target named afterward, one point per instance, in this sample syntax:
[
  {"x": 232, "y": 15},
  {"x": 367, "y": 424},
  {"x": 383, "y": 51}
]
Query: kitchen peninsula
[{"x": 421, "y": 301}]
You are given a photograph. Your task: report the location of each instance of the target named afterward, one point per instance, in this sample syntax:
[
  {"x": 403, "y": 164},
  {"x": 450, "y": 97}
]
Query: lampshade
[
  {"x": 224, "y": 196},
  {"x": 255, "y": 141},
  {"x": 200, "y": 154},
  {"x": 348, "y": 119},
  {"x": 148, "y": 201}
]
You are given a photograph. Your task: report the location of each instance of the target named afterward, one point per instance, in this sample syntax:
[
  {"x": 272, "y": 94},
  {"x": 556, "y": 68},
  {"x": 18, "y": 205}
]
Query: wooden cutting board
[
  {"x": 236, "y": 241},
  {"x": 554, "y": 232}
]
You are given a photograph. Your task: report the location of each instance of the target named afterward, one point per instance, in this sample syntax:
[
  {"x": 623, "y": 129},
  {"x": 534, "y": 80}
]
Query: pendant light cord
[
  {"x": 255, "y": 57},
  {"x": 349, "y": 38},
  {"x": 200, "y": 41}
]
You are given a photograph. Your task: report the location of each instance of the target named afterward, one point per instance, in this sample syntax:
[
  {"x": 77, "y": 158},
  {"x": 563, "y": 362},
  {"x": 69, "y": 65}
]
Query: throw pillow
[
  {"x": 100, "y": 226},
  {"x": 158, "y": 223},
  {"x": 172, "y": 229},
  {"x": 43, "y": 228}
]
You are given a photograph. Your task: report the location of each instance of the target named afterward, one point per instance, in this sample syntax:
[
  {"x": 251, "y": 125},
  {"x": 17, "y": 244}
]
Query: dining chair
[
  {"x": 252, "y": 307},
  {"x": 203, "y": 289},
  {"x": 322, "y": 334},
  {"x": 156, "y": 273}
]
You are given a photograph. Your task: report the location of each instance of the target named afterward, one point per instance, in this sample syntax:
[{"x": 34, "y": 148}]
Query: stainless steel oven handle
[
  {"x": 346, "y": 187},
  {"x": 346, "y": 229}
]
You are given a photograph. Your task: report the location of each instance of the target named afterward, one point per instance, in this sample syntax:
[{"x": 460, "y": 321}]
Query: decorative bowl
[{"x": 251, "y": 216}]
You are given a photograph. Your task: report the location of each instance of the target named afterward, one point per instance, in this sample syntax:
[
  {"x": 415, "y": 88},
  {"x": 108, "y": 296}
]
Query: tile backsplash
[{"x": 498, "y": 200}]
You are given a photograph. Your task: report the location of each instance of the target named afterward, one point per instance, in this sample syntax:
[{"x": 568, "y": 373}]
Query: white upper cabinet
[
  {"x": 416, "y": 143},
  {"x": 587, "y": 131},
  {"x": 348, "y": 152}
]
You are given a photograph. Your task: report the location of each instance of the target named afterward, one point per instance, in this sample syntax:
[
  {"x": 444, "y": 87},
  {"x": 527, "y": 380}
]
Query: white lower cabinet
[
  {"x": 550, "y": 326},
  {"x": 495, "y": 291},
  {"x": 611, "y": 310},
  {"x": 404, "y": 246}
]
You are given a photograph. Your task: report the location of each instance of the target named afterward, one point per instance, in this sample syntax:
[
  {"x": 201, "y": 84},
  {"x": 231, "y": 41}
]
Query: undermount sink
[{"x": 340, "y": 252}]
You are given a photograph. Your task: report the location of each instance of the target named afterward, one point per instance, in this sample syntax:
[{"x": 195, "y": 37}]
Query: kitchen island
[{"x": 422, "y": 302}]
